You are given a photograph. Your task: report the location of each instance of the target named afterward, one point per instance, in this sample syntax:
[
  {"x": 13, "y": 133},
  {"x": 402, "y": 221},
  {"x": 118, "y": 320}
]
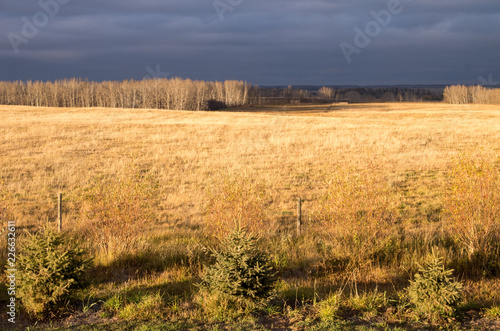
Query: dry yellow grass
[{"x": 291, "y": 150}]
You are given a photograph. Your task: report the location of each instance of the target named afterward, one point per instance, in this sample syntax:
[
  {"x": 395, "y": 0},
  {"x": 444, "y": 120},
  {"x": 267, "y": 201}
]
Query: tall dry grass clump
[
  {"x": 356, "y": 217},
  {"x": 235, "y": 202},
  {"x": 115, "y": 211},
  {"x": 473, "y": 206}
]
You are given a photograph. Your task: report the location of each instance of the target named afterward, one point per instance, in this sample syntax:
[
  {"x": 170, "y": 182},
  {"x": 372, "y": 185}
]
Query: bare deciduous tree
[
  {"x": 460, "y": 94},
  {"x": 175, "y": 93}
]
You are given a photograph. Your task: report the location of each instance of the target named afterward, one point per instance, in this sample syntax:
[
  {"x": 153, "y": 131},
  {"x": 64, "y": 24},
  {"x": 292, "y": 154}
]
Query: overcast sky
[{"x": 265, "y": 42}]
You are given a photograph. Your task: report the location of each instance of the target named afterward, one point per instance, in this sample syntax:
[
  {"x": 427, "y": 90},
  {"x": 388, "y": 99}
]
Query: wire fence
[{"x": 60, "y": 205}]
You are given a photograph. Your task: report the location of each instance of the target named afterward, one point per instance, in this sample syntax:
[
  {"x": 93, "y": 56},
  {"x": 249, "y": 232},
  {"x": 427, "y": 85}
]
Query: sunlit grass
[{"x": 358, "y": 169}]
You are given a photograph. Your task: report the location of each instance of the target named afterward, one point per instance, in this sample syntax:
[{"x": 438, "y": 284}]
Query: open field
[
  {"x": 49, "y": 150},
  {"x": 290, "y": 152}
]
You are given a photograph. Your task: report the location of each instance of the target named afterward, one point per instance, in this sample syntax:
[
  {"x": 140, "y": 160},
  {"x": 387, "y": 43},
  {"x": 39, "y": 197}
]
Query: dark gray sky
[{"x": 266, "y": 42}]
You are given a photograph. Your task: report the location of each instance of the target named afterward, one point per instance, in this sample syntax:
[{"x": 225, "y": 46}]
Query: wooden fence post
[
  {"x": 59, "y": 213},
  {"x": 299, "y": 216}
]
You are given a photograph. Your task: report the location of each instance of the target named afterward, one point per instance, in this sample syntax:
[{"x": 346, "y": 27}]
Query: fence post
[
  {"x": 299, "y": 216},
  {"x": 59, "y": 213}
]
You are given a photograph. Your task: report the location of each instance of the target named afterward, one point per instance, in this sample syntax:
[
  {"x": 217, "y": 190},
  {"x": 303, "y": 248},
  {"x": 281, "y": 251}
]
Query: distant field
[
  {"x": 395, "y": 166},
  {"x": 290, "y": 149}
]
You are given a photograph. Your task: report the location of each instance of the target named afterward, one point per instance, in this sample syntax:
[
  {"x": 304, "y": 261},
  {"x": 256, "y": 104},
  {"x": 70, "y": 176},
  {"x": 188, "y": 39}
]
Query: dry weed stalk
[
  {"x": 355, "y": 215},
  {"x": 235, "y": 202},
  {"x": 115, "y": 211}
]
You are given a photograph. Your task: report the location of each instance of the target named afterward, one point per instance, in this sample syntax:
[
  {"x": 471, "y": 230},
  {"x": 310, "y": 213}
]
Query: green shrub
[
  {"x": 433, "y": 292},
  {"x": 240, "y": 270},
  {"x": 48, "y": 268}
]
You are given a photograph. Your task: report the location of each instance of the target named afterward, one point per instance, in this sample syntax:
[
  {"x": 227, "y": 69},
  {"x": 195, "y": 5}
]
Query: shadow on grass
[
  {"x": 129, "y": 267},
  {"x": 184, "y": 289}
]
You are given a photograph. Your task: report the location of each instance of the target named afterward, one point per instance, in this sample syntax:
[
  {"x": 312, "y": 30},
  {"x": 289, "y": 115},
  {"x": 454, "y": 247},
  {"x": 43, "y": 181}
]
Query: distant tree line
[
  {"x": 290, "y": 95},
  {"x": 173, "y": 93},
  {"x": 382, "y": 94},
  {"x": 186, "y": 94},
  {"x": 460, "y": 94}
]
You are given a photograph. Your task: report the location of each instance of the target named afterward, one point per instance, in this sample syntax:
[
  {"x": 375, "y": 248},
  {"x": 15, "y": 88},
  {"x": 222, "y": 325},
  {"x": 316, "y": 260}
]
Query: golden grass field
[{"x": 290, "y": 149}]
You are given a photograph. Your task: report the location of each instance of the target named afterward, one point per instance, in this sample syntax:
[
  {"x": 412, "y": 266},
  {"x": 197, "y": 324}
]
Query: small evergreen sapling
[
  {"x": 433, "y": 291},
  {"x": 241, "y": 271},
  {"x": 49, "y": 267}
]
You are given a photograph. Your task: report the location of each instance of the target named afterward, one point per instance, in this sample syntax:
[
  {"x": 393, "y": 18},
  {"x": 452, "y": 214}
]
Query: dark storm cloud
[{"x": 264, "y": 42}]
